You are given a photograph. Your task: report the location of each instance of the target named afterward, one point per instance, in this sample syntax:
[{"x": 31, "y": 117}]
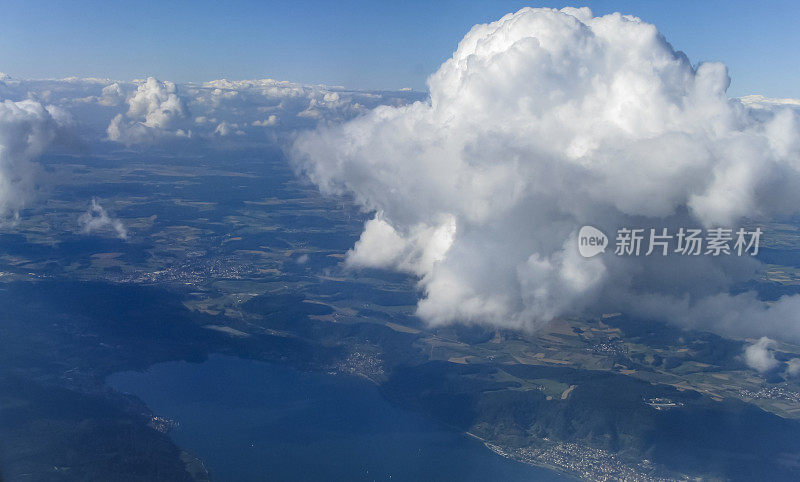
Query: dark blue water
[{"x": 250, "y": 420}]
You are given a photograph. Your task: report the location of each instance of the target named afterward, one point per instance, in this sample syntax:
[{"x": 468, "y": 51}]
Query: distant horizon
[
  {"x": 355, "y": 43},
  {"x": 69, "y": 78},
  {"x": 753, "y": 95}
]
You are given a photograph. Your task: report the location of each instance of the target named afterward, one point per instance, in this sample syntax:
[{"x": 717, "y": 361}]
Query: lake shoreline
[{"x": 299, "y": 424}]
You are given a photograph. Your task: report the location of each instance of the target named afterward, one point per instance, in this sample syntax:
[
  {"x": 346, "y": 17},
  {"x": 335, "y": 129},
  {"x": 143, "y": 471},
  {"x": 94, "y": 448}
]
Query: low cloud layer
[
  {"x": 762, "y": 356},
  {"x": 545, "y": 121},
  {"x": 149, "y": 112}
]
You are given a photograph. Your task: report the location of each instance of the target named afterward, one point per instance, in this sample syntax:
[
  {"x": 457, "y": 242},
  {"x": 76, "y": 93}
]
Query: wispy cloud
[
  {"x": 760, "y": 355},
  {"x": 97, "y": 219}
]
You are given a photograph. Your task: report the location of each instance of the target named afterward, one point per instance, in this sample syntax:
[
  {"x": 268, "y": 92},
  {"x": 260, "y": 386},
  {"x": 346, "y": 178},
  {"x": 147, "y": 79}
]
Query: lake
[{"x": 250, "y": 420}]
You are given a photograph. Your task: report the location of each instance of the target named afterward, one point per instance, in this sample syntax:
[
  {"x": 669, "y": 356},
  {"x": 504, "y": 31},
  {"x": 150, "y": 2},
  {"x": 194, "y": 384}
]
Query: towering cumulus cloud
[
  {"x": 545, "y": 121},
  {"x": 26, "y": 129}
]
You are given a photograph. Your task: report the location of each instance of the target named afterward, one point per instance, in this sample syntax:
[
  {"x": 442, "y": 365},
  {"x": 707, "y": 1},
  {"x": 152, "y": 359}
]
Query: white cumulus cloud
[
  {"x": 545, "y": 121},
  {"x": 760, "y": 355},
  {"x": 269, "y": 121},
  {"x": 155, "y": 110},
  {"x": 27, "y": 128}
]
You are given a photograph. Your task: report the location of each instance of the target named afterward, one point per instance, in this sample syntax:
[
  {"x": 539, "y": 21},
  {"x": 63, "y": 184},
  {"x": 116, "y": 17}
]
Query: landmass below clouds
[
  {"x": 140, "y": 114},
  {"x": 540, "y": 123}
]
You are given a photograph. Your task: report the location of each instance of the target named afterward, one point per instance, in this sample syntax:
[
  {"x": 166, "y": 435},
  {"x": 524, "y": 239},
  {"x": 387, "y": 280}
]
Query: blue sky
[{"x": 374, "y": 45}]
